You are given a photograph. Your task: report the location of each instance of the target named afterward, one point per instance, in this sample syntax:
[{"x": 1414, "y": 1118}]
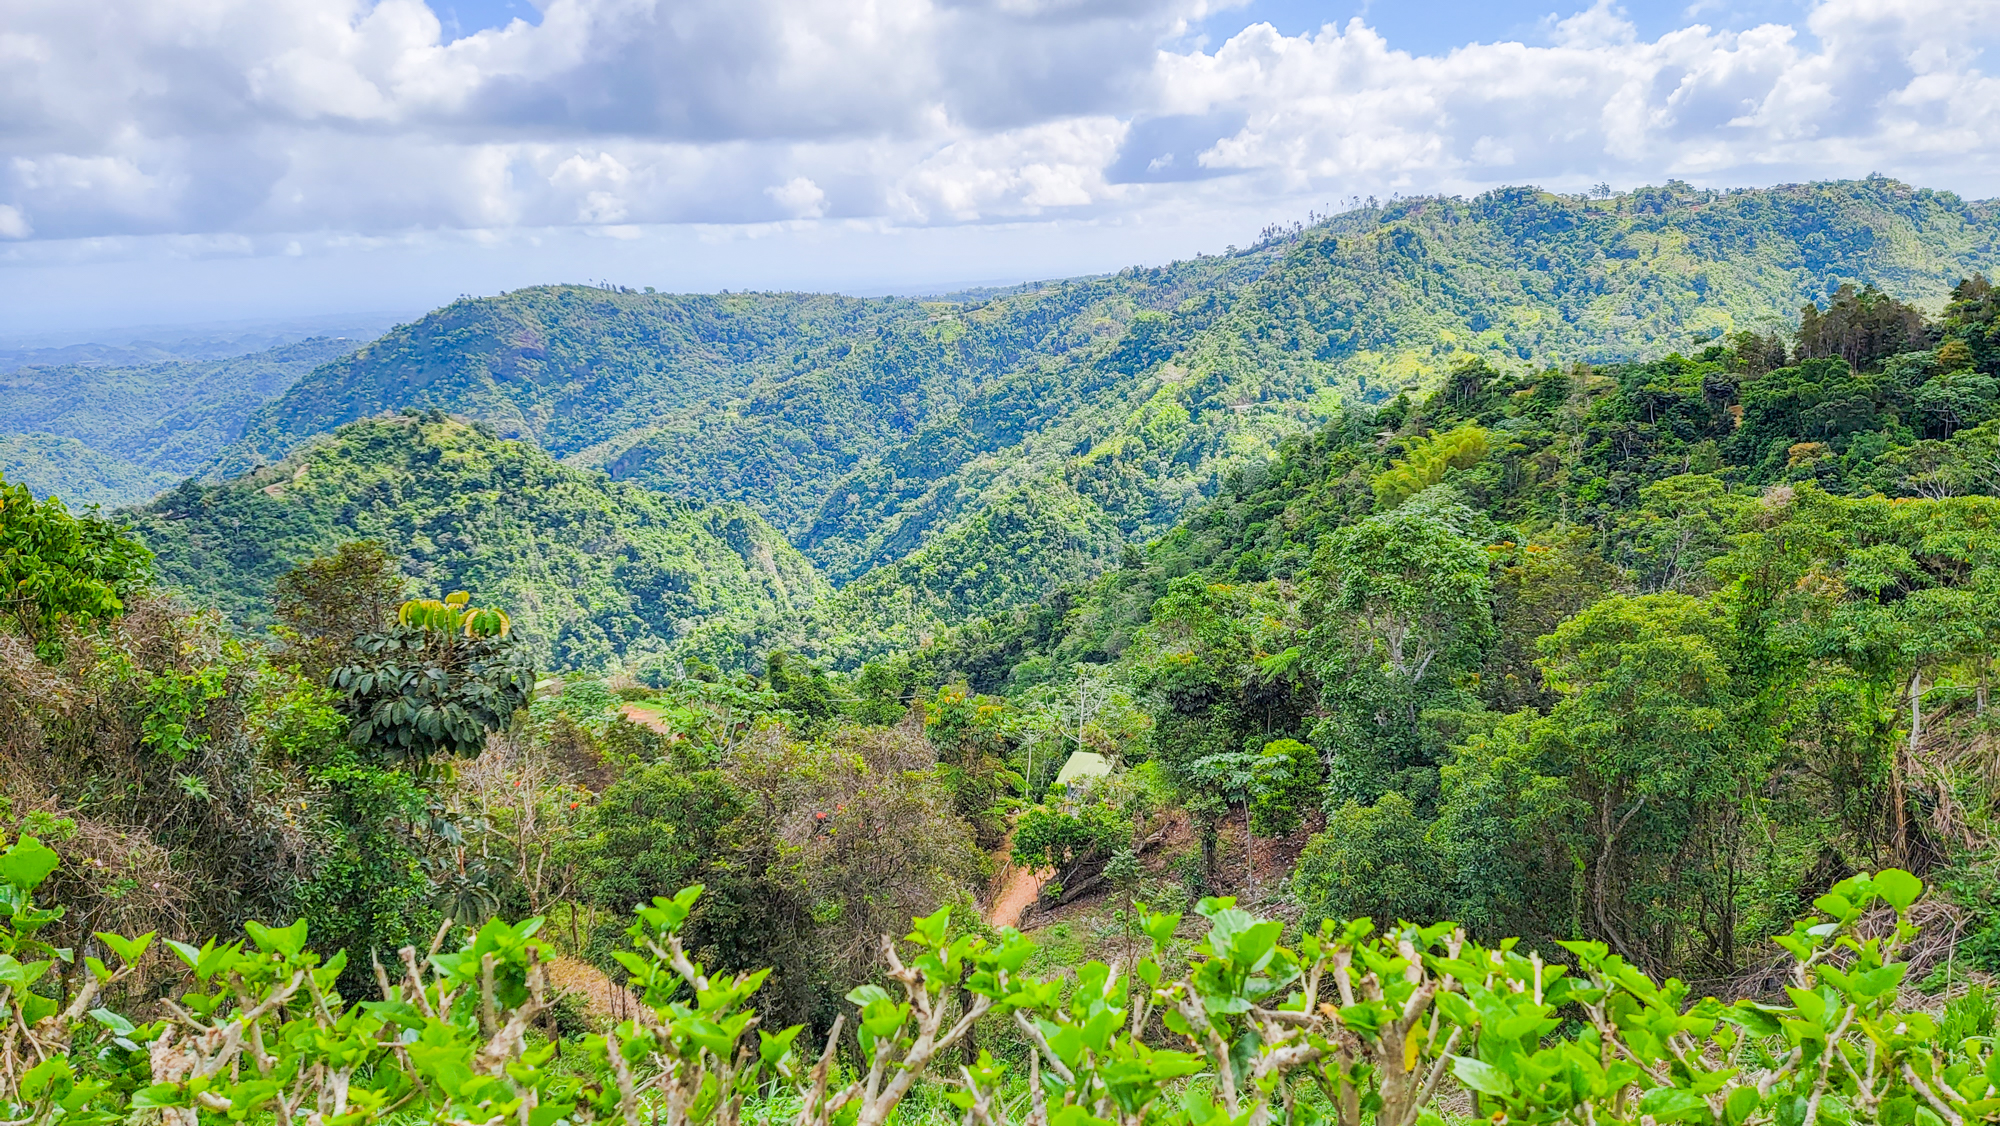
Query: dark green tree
[
  {"x": 436, "y": 683},
  {"x": 325, "y": 603}
]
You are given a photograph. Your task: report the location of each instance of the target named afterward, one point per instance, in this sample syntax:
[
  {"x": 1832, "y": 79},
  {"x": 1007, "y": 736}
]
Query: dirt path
[
  {"x": 1015, "y": 889},
  {"x": 1018, "y": 889},
  {"x": 644, "y": 718},
  {"x": 604, "y": 999}
]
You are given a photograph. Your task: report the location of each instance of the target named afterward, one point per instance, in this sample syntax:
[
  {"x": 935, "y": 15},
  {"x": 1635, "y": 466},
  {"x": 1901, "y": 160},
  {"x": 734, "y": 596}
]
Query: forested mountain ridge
[
  {"x": 762, "y": 398},
  {"x": 593, "y": 571},
  {"x": 1620, "y": 665},
  {"x": 864, "y": 428},
  {"x": 875, "y": 434},
  {"x": 1516, "y": 280},
  {"x": 1381, "y": 300},
  {"x": 105, "y": 434},
  {"x": 1652, "y": 464}
]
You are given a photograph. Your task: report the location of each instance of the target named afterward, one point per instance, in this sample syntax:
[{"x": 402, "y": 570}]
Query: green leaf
[
  {"x": 1671, "y": 1104},
  {"x": 1481, "y": 1076},
  {"x": 185, "y": 953},
  {"x": 159, "y": 1095},
  {"x": 39, "y": 1078},
  {"x": 930, "y": 929},
  {"x": 1880, "y": 981},
  {"x": 129, "y": 950},
  {"x": 773, "y": 1047},
  {"x": 27, "y": 863},
  {"x": 289, "y": 941},
  {"x": 1898, "y": 888},
  {"x": 865, "y": 995},
  {"x": 113, "y": 1021}
]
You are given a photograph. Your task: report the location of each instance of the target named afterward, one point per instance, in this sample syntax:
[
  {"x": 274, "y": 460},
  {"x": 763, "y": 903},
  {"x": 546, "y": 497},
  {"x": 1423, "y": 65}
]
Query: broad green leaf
[
  {"x": 1671, "y": 1104},
  {"x": 1481, "y": 1076},
  {"x": 1898, "y": 888},
  {"x": 27, "y": 863}
]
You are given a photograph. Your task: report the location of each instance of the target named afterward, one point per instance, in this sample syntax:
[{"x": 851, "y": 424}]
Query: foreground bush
[{"x": 1346, "y": 1026}]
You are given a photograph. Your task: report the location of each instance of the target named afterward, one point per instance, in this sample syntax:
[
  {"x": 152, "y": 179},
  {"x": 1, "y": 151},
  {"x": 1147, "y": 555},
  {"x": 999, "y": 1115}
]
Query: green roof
[{"x": 1084, "y": 764}]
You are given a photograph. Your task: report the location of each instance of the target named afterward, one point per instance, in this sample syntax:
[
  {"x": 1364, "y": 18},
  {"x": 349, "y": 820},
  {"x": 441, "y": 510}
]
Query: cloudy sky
[{"x": 203, "y": 160}]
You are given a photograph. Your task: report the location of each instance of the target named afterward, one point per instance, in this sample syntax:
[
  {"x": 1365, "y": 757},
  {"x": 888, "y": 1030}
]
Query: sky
[{"x": 181, "y": 161}]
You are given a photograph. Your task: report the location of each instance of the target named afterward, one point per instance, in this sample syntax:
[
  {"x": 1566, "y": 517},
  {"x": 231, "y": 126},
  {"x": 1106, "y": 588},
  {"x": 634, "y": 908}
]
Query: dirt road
[
  {"x": 644, "y": 718},
  {"x": 1018, "y": 889}
]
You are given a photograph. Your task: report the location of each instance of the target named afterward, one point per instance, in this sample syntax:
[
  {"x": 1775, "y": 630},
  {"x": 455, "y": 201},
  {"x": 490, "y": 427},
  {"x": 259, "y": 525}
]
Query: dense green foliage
[
  {"x": 866, "y": 430},
  {"x": 117, "y": 435},
  {"x": 262, "y": 1026},
  {"x": 1621, "y": 628},
  {"x": 1640, "y": 665},
  {"x": 591, "y": 570},
  {"x": 58, "y": 570},
  {"x": 376, "y": 777},
  {"x": 436, "y": 683}
]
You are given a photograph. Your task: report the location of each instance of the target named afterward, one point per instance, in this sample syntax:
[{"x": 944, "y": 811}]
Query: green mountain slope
[
  {"x": 1357, "y": 310},
  {"x": 146, "y": 426},
  {"x": 1641, "y": 471},
  {"x": 762, "y": 398},
  {"x": 592, "y": 570},
  {"x": 871, "y": 431},
  {"x": 1036, "y": 538},
  {"x": 1381, "y": 300}
]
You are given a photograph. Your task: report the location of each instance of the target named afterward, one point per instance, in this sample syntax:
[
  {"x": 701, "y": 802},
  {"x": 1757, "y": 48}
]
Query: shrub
[{"x": 1377, "y": 1021}]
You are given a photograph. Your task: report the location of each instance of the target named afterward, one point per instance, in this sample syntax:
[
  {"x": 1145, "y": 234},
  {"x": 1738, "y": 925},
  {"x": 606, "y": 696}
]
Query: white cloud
[
  {"x": 1019, "y": 172},
  {"x": 1603, "y": 24},
  {"x": 1891, "y": 87},
  {"x": 262, "y": 117},
  {"x": 800, "y": 197}
]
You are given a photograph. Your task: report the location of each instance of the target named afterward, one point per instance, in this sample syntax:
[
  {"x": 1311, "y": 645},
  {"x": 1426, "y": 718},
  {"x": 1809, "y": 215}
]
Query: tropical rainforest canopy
[{"x": 1616, "y": 578}]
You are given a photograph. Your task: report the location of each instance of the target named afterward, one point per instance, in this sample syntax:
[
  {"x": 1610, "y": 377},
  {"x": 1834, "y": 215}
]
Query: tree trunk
[
  {"x": 1249, "y": 849},
  {"x": 1899, "y": 821}
]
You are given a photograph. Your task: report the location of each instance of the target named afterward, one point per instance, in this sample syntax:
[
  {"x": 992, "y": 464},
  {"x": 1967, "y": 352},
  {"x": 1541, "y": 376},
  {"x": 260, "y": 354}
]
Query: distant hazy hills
[
  {"x": 159, "y": 344},
  {"x": 105, "y": 434},
  {"x": 942, "y": 459}
]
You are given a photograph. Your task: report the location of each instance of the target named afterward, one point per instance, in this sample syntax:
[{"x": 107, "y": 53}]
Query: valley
[{"x": 1561, "y": 629}]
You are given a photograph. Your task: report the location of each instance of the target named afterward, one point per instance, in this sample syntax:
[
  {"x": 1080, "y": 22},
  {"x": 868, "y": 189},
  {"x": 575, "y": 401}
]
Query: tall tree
[
  {"x": 1400, "y": 613},
  {"x": 325, "y": 603}
]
